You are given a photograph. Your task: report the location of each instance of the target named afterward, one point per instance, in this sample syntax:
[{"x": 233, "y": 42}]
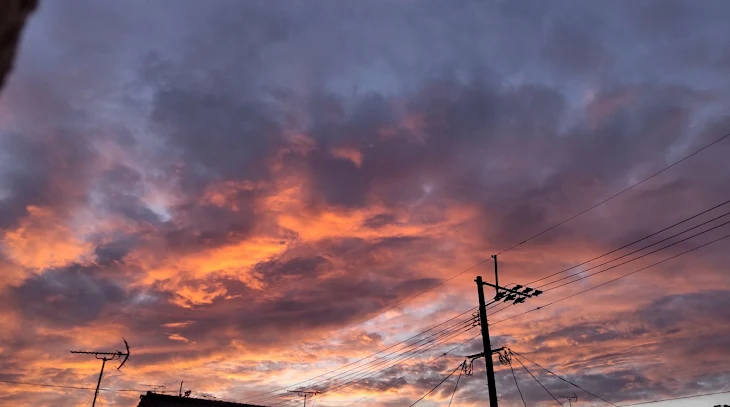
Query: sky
[{"x": 232, "y": 186}]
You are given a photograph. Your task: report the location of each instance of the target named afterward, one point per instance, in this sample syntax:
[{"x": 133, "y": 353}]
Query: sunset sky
[{"x": 233, "y": 186}]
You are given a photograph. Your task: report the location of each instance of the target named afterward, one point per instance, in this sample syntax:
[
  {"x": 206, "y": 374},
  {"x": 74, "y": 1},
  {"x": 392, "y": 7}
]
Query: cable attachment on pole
[
  {"x": 475, "y": 320},
  {"x": 505, "y": 357},
  {"x": 468, "y": 368}
]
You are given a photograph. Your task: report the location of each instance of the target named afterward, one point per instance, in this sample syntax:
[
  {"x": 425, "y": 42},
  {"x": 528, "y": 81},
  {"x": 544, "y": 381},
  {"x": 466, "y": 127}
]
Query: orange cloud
[
  {"x": 44, "y": 241},
  {"x": 348, "y": 153}
]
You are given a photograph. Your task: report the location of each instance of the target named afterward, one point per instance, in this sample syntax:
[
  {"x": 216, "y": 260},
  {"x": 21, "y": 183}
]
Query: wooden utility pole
[
  {"x": 509, "y": 294},
  {"x": 486, "y": 343}
]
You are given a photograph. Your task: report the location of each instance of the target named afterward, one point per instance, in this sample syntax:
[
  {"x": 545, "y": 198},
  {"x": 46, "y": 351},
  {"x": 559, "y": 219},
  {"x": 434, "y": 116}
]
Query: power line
[
  {"x": 463, "y": 366},
  {"x": 636, "y": 251},
  {"x": 403, "y": 301},
  {"x": 417, "y": 350},
  {"x": 354, "y": 376},
  {"x": 611, "y": 281},
  {"x": 615, "y": 250},
  {"x": 519, "y": 244},
  {"x": 516, "y": 384},
  {"x": 436, "y": 386},
  {"x": 391, "y": 366},
  {"x": 59, "y": 386},
  {"x": 432, "y": 360},
  {"x": 339, "y": 387},
  {"x": 258, "y": 396},
  {"x": 614, "y": 195},
  {"x": 632, "y": 243},
  {"x": 432, "y": 345},
  {"x": 562, "y": 378},
  {"x": 677, "y": 398},
  {"x": 538, "y": 382},
  {"x": 524, "y": 241}
]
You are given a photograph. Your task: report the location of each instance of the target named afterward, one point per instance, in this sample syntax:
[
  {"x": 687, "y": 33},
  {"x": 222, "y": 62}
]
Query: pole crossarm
[
  {"x": 305, "y": 393},
  {"x": 528, "y": 292},
  {"x": 509, "y": 294},
  {"x": 481, "y": 355}
]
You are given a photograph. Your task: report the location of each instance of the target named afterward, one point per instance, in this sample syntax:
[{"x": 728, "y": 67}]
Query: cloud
[
  {"x": 229, "y": 185},
  {"x": 71, "y": 296}
]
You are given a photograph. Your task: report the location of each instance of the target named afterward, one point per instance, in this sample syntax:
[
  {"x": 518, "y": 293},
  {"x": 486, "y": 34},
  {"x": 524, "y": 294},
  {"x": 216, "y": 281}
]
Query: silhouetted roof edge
[{"x": 155, "y": 399}]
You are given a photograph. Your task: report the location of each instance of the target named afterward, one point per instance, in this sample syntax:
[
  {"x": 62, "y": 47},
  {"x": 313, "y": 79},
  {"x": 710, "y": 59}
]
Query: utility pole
[
  {"x": 305, "y": 394},
  {"x": 510, "y": 294},
  {"x": 104, "y": 357},
  {"x": 571, "y": 399},
  {"x": 486, "y": 343}
]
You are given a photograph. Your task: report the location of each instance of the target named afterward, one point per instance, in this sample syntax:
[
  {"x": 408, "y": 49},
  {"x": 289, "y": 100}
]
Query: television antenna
[
  {"x": 571, "y": 399},
  {"x": 305, "y": 394},
  {"x": 104, "y": 356}
]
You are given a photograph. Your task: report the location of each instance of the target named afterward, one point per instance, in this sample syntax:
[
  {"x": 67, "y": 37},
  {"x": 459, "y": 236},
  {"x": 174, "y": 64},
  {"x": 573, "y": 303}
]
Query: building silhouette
[{"x": 163, "y": 400}]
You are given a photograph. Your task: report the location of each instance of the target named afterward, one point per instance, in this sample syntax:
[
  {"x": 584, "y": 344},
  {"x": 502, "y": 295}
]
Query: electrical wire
[
  {"x": 517, "y": 384},
  {"x": 382, "y": 370},
  {"x": 353, "y": 382},
  {"x": 624, "y": 246},
  {"x": 59, "y": 386},
  {"x": 315, "y": 400},
  {"x": 632, "y": 243},
  {"x": 677, "y": 398},
  {"x": 257, "y": 396},
  {"x": 636, "y": 251},
  {"x": 538, "y": 382},
  {"x": 521, "y": 243},
  {"x": 402, "y": 302},
  {"x": 525, "y": 241},
  {"x": 463, "y": 366},
  {"x": 406, "y": 351},
  {"x": 562, "y": 378},
  {"x": 361, "y": 379},
  {"x": 632, "y": 186},
  {"x": 617, "y": 265},
  {"x": 435, "y": 387},
  {"x": 430, "y": 361},
  {"x": 410, "y": 356},
  {"x": 388, "y": 364},
  {"x": 611, "y": 281},
  {"x": 361, "y": 375}
]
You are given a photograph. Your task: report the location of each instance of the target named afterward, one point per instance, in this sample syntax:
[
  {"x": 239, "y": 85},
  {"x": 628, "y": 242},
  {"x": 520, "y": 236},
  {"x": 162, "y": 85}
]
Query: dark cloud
[
  {"x": 56, "y": 179},
  {"x": 523, "y": 112},
  {"x": 68, "y": 297},
  {"x": 300, "y": 268},
  {"x": 697, "y": 308},
  {"x": 120, "y": 190},
  {"x": 113, "y": 251},
  {"x": 379, "y": 221},
  {"x": 220, "y": 134}
]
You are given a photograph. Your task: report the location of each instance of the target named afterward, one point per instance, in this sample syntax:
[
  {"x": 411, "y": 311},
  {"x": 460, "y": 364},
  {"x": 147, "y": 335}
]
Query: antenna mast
[
  {"x": 104, "y": 356},
  {"x": 571, "y": 399},
  {"x": 305, "y": 394}
]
